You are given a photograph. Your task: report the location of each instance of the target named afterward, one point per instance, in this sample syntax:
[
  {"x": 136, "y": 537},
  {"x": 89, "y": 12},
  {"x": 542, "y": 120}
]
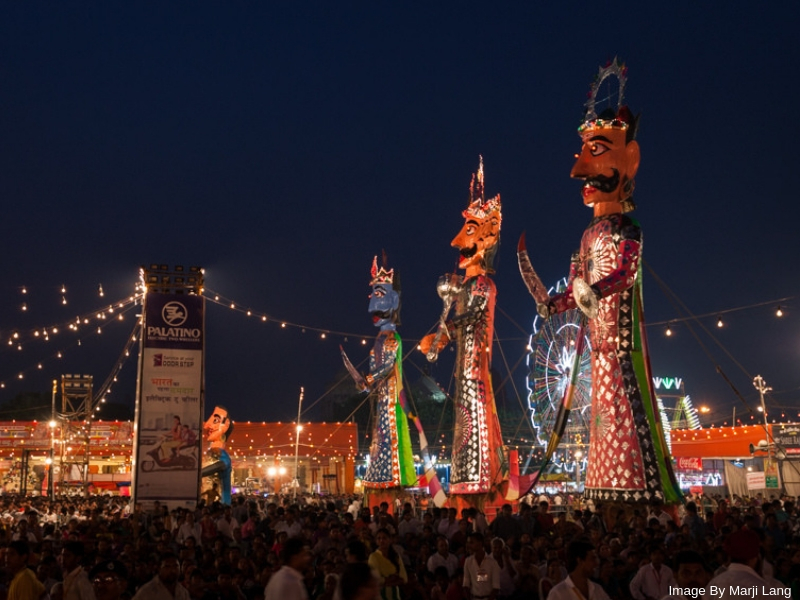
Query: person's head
[
  {"x": 384, "y": 301},
  {"x": 479, "y": 239},
  {"x": 475, "y": 542},
  {"x": 72, "y": 555},
  {"x": 176, "y": 420},
  {"x": 109, "y": 579},
  {"x": 554, "y": 569},
  {"x": 609, "y": 157},
  {"x": 355, "y": 551},
  {"x": 17, "y": 556},
  {"x": 657, "y": 556},
  {"x": 358, "y": 582},
  {"x": 498, "y": 545},
  {"x": 690, "y": 570},
  {"x": 383, "y": 539},
  {"x": 168, "y": 568},
  {"x": 442, "y": 545},
  {"x": 742, "y": 547},
  {"x": 295, "y": 554},
  {"x": 581, "y": 558}
]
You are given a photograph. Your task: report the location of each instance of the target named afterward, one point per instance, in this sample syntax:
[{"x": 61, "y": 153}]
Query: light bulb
[
  {"x": 778, "y": 313},
  {"x": 719, "y": 322}
]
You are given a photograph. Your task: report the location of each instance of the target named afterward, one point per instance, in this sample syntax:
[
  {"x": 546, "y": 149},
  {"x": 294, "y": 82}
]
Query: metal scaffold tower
[{"x": 76, "y": 423}]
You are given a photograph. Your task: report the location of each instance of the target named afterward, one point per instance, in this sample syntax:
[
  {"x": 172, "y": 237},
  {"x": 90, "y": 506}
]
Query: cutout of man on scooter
[
  {"x": 176, "y": 449},
  {"x": 216, "y": 431}
]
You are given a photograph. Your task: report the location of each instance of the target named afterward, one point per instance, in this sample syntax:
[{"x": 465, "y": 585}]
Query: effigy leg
[{"x": 222, "y": 468}]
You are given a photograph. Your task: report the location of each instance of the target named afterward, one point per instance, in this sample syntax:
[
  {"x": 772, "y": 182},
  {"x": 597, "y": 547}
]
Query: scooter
[{"x": 176, "y": 462}]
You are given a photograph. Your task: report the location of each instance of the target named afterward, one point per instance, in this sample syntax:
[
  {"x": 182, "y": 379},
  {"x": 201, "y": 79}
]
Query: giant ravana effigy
[
  {"x": 628, "y": 457},
  {"x": 478, "y": 462},
  {"x": 391, "y": 462}
]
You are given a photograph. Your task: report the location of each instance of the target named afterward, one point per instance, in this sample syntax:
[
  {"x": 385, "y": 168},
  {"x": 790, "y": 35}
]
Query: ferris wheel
[{"x": 550, "y": 361}]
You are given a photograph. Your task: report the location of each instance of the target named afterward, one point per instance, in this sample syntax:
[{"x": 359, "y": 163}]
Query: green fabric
[
  {"x": 405, "y": 457},
  {"x": 672, "y": 492}
]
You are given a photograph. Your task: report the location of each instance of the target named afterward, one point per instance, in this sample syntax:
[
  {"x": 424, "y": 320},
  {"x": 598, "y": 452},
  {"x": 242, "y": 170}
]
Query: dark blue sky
[{"x": 281, "y": 147}]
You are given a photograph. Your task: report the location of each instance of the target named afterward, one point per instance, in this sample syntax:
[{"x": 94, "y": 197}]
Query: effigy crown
[
  {"x": 613, "y": 117},
  {"x": 480, "y": 208},
  {"x": 380, "y": 276}
]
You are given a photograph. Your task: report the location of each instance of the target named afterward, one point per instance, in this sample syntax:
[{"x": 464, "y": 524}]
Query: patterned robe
[
  {"x": 627, "y": 451},
  {"x": 477, "y": 457},
  {"x": 391, "y": 463}
]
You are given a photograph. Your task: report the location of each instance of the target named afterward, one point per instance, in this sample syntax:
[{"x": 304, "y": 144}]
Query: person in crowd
[
  {"x": 653, "y": 580},
  {"x": 388, "y": 565},
  {"x": 745, "y": 569},
  {"x": 287, "y": 583},
  {"x": 109, "y": 580},
  {"x": 443, "y": 557},
  {"x": 481, "y": 572},
  {"x": 76, "y": 580},
  {"x": 164, "y": 585},
  {"x": 358, "y": 582},
  {"x": 581, "y": 563},
  {"x": 24, "y": 584}
]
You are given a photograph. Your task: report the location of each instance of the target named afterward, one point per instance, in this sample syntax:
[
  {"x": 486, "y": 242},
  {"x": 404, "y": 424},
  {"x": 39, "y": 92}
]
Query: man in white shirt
[
  {"x": 449, "y": 527},
  {"x": 481, "y": 571},
  {"x": 581, "y": 562},
  {"x": 164, "y": 586},
  {"x": 742, "y": 547},
  {"x": 76, "y": 581},
  {"x": 287, "y": 583},
  {"x": 189, "y": 528},
  {"x": 226, "y": 524},
  {"x": 443, "y": 557},
  {"x": 654, "y": 580}
]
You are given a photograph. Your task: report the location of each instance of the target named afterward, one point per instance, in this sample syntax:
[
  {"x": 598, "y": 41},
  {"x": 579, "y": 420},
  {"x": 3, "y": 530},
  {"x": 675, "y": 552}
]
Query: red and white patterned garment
[{"x": 622, "y": 463}]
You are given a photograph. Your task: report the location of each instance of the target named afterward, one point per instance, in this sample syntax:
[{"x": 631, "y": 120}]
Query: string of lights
[
  {"x": 114, "y": 313},
  {"x": 105, "y": 389}
]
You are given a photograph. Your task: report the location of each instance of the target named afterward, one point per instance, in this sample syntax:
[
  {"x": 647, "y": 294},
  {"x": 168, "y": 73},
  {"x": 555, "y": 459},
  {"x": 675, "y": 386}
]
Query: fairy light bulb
[
  {"x": 100, "y": 290},
  {"x": 24, "y": 290},
  {"x": 668, "y": 332},
  {"x": 24, "y": 307},
  {"x": 779, "y": 312},
  {"x": 720, "y": 324},
  {"x": 63, "y": 300},
  {"x": 63, "y": 289}
]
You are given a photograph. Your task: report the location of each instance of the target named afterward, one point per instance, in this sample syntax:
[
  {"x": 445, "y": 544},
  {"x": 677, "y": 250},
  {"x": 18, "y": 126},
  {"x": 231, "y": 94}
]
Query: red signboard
[{"x": 690, "y": 463}]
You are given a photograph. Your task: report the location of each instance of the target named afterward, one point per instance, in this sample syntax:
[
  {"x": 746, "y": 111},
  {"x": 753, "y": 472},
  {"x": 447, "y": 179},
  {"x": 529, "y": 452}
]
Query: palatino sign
[{"x": 170, "y": 402}]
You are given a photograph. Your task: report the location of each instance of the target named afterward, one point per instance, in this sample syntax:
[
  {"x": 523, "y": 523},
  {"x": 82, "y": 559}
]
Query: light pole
[
  {"x": 298, "y": 429},
  {"x": 763, "y": 388},
  {"x": 52, "y": 424},
  {"x": 578, "y": 457}
]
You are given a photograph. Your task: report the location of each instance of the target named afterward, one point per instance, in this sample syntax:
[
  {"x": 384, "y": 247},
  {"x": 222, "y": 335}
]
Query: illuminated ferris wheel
[{"x": 550, "y": 360}]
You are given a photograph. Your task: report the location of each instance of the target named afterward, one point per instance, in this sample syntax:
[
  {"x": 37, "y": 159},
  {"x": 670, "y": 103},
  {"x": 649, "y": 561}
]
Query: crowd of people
[{"x": 333, "y": 548}]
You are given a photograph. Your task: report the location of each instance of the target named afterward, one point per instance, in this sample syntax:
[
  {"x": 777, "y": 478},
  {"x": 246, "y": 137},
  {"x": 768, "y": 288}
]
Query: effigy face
[
  {"x": 607, "y": 163},
  {"x": 384, "y": 301},
  {"x": 217, "y": 425},
  {"x": 474, "y": 240}
]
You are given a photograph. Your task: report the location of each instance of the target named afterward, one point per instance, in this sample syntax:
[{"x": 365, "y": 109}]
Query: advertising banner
[
  {"x": 787, "y": 438},
  {"x": 690, "y": 463},
  {"x": 771, "y": 474},
  {"x": 169, "y": 409},
  {"x": 756, "y": 481}
]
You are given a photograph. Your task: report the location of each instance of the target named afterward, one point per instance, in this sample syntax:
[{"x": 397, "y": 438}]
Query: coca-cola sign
[{"x": 690, "y": 463}]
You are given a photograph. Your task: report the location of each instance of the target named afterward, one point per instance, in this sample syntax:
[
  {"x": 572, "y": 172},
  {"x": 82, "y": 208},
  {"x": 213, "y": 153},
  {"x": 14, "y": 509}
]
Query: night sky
[{"x": 281, "y": 147}]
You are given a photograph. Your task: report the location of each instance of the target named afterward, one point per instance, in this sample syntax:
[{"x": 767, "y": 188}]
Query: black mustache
[
  {"x": 603, "y": 183},
  {"x": 469, "y": 252},
  {"x": 382, "y": 314}
]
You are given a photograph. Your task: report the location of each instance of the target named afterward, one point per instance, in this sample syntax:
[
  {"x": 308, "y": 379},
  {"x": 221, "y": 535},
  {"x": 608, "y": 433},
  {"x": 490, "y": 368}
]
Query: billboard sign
[
  {"x": 690, "y": 463},
  {"x": 169, "y": 408}
]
